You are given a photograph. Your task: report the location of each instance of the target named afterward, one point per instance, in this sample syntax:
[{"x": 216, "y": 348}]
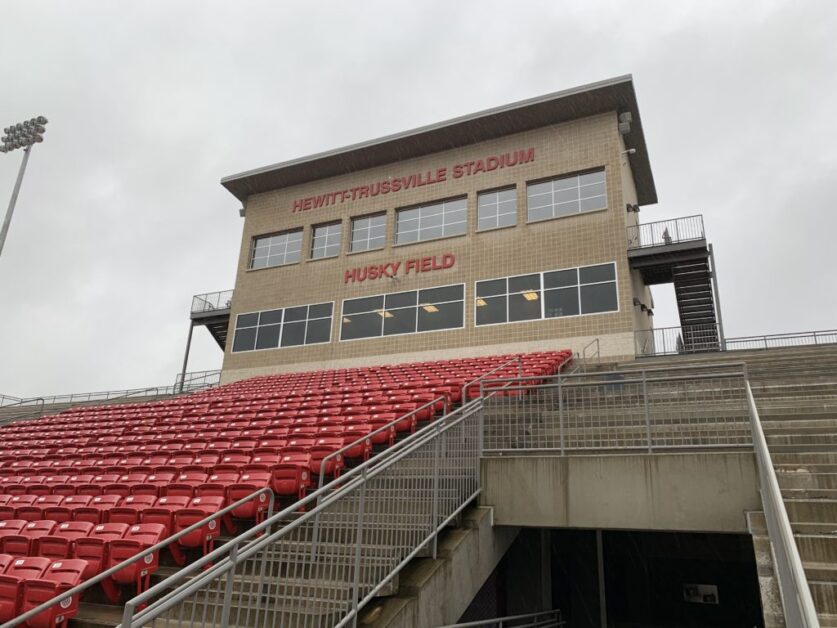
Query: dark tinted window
[
  {"x": 599, "y": 298},
  {"x": 361, "y": 326},
  {"x": 561, "y": 302},
  {"x": 594, "y": 274},
  {"x": 441, "y": 316},
  {"x": 367, "y": 304},
  {"x": 491, "y": 310}
]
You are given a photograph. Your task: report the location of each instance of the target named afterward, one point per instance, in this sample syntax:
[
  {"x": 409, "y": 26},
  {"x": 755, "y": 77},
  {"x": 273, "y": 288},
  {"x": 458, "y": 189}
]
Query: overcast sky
[{"x": 121, "y": 217}]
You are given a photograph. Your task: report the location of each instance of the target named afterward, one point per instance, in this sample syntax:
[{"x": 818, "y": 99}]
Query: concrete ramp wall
[{"x": 684, "y": 491}]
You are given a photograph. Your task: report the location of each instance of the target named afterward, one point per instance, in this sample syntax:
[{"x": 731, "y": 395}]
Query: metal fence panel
[
  {"x": 318, "y": 568},
  {"x": 632, "y": 410}
]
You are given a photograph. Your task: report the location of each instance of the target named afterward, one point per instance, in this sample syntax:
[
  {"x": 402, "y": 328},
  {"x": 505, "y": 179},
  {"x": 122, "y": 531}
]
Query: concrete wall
[
  {"x": 707, "y": 492},
  {"x": 569, "y": 241},
  {"x": 437, "y": 592}
]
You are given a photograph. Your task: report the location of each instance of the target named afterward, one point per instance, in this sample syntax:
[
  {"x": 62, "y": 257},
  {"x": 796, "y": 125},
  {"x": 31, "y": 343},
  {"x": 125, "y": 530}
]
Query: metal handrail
[
  {"x": 686, "y": 229},
  {"x": 14, "y": 400},
  {"x": 346, "y": 483},
  {"x": 542, "y": 618},
  {"x": 375, "y": 432},
  {"x": 797, "y": 603},
  {"x": 736, "y": 367},
  {"x": 595, "y": 341},
  {"x": 111, "y": 395},
  {"x": 518, "y": 359},
  {"x": 80, "y": 588},
  {"x": 211, "y": 301}
]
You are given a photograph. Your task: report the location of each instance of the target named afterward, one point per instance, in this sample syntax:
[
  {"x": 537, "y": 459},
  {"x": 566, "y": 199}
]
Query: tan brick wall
[{"x": 578, "y": 240}]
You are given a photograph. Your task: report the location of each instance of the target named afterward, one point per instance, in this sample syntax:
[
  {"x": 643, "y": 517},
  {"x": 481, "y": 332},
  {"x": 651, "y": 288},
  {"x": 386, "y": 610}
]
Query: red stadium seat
[
  {"x": 11, "y": 583},
  {"x": 94, "y": 549},
  {"x": 292, "y": 476},
  {"x": 59, "y": 577},
  {"x": 54, "y": 547},
  {"x": 22, "y": 544},
  {"x": 97, "y": 510},
  {"x": 138, "y": 538},
  {"x": 10, "y": 509},
  {"x": 129, "y": 509},
  {"x": 323, "y": 448},
  {"x": 199, "y": 508}
]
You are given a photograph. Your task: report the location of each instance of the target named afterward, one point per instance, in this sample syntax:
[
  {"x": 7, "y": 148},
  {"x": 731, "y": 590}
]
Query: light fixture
[
  {"x": 384, "y": 314},
  {"x": 481, "y": 302},
  {"x": 346, "y": 319},
  {"x": 21, "y": 135},
  {"x": 530, "y": 295},
  {"x": 430, "y": 308}
]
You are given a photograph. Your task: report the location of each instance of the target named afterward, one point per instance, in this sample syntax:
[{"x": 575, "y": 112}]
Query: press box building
[{"x": 513, "y": 229}]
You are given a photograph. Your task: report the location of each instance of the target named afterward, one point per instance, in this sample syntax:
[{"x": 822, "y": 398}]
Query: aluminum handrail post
[
  {"x": 647, "y": 410},
  {"x": 481, "y": 423},
  {"x": 358, "y": 545},
  {"x": 225, "y": 610},
  {"x": 435, "y": 509},
  {"x": 561, "y": 416},
  {"x": 782, "y": 533}
]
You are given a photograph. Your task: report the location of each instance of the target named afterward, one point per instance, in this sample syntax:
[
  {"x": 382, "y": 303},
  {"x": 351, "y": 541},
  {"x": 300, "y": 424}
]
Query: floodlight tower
[{"x": 21, "y": 135}]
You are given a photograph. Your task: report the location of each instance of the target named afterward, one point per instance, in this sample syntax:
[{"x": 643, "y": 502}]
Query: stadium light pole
[{"x": 21, "y": 135}]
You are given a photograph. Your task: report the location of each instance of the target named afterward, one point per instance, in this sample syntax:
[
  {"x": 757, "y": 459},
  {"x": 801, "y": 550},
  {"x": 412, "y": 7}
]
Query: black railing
[
  {"x": 665, "y": 232},
  {"x": 212, "y": 301},
  {"x": 705, "y": 338}
]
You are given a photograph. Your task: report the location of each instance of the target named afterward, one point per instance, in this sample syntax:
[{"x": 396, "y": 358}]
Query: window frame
[
  {"x": 255, "y": 238},
  {"x": 560, "y": 177},
  {"x": 417, "y": 306},
  {"x": 352, "y": 220},
  {"x": 282, "y": 328},
  {"x": 542, "y": 296},
  {"x": 496, "y": 216},
  {"x": 325, "y": 225},
  {"x": 419, "y": 207}
]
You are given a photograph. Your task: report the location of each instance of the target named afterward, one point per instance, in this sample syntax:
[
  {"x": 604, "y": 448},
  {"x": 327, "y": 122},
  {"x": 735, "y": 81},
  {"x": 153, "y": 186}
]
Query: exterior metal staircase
[{"x": 696, "y": 306}]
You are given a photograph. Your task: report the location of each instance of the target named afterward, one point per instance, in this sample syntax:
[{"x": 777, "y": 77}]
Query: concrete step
[
  {"x": 805, "y": 440},
  {"x": 809, "y": 493},
  {"x": 812, "y": 510},
  {"x": 804, "y": 459},
  {"x": 825, "y": 595},
  {"x": 803, "y": 478}
]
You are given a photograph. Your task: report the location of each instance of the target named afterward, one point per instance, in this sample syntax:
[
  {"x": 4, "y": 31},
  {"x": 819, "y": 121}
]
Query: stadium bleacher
[{"x": 85, "y": 489}]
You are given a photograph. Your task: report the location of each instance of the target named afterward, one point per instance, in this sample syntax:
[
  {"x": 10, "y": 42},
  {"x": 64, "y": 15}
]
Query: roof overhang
[{"x": 616, "y": 94}]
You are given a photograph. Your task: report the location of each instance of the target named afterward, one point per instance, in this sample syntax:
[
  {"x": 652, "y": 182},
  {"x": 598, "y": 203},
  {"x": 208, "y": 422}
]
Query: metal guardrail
[
  {"x": 373, "y": 520},
  {"x": 773, "y": 341},
  {"x": 797, "y": 603},
  {"x": 677, "y": 340},
  {"x": 195, "y": 381},
  {"x": 593, "y": 354},
  {"x": 212, "y": 301},
  {"x": 647, "y": 410},
  {"x": 542, "y": 619},
  {"x": 706, "y": 339},
  {"x": 665, "y": 232},
  {"x": 9, "y": 400},
  {"x": 266, "y": 493}
]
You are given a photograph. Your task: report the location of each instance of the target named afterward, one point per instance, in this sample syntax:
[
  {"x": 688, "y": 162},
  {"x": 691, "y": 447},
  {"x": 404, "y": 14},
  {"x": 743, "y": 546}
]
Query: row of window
[
  {"x": 536, "y": 296},
  {"x": 288, "y": 327},
  {"x": 561, "y": 196}
]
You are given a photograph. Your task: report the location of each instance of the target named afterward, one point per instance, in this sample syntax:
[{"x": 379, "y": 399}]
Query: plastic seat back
[{"x": 62, "y": 575}]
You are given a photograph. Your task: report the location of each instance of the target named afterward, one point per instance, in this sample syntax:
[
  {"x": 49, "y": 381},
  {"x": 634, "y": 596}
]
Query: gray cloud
[{"x": 122, "y": 218}]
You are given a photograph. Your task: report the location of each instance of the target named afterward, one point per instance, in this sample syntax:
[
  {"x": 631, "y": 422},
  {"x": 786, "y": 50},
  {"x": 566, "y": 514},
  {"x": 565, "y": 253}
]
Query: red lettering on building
[
  {"x": 390, "y": 269},
  {"x": 392, "y": 185}
]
